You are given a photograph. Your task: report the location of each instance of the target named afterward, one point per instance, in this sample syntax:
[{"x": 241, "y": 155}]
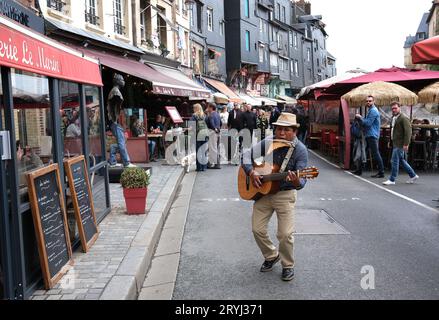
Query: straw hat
[{"x": 287, "y": 120}]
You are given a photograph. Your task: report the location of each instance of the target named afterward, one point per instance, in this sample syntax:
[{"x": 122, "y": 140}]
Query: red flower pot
[{"x": 135, "y": 200}]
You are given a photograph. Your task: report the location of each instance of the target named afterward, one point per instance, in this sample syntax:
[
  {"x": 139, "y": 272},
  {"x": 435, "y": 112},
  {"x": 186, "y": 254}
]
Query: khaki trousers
[{"x": 283, "y": 203}]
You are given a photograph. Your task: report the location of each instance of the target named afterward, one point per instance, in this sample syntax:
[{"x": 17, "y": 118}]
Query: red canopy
[
  {"x": 394, "y": 74},
  {"x": 426, "y": 51}
]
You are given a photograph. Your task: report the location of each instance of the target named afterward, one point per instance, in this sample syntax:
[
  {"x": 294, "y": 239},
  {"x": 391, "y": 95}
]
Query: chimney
[{"x": 305, "y": 6}]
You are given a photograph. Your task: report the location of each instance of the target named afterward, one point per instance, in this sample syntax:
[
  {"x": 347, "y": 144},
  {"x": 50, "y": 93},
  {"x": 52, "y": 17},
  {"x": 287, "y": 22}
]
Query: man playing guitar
[{"x": 290, "y": 155}]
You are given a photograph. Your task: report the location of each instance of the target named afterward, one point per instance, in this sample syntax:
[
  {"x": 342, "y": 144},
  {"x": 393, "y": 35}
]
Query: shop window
[
  {"x": 32, "y": 123},
  {"x": 94, "y": 125},
  {"x": 70, "y": 119}
]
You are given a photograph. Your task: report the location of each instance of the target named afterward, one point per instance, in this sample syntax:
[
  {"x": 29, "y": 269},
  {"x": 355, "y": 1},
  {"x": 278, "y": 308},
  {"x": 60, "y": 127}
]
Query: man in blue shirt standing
[
  {"x": 214, "y": 124},
  {"x": 372, "y": 127}
]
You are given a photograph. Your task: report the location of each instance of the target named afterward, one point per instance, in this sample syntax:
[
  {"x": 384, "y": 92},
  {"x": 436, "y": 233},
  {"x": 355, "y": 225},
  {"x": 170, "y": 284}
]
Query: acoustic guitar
[{"x": 271, "y": 179}]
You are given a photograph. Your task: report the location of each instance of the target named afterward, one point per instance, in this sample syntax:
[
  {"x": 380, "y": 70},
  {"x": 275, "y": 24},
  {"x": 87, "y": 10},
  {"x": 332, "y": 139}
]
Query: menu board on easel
[
  {"x": 79, "y": 184},
  {"x": 50, "y": 222},
  {"x": 174, "y": 114}
]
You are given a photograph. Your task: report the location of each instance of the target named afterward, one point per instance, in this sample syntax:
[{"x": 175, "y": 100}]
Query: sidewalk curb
[{"x": 127, "y": 283}]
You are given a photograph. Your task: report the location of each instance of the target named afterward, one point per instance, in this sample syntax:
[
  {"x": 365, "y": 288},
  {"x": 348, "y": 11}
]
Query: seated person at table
[
  {"x": 137, "y": 128},
  {"x": 158, "y": 124}
]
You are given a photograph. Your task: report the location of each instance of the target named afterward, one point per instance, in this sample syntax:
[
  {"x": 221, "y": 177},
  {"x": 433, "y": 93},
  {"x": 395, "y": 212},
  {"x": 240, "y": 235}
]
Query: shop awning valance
[
  {"x": 249, "y": 100},
  {"x": 162, "y": 83},
  {"x": 221, "y": 87},
  {"x": 267, "y": 101},
  {"x": 288, "y": 100}
]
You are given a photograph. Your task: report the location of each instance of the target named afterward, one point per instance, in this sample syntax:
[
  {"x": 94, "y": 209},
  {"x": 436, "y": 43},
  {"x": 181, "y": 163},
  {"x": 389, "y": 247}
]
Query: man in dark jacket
[
  {"x": 401, "y": 135},
  {"x": 214, "y": 124},
  {"x": 249, "y": 119},
  {"x": 235, "y": 118},
  {"x": 235, "y": 121}
]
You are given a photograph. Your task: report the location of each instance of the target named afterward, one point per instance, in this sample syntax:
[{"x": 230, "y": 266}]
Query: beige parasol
[
  {"x": 384, "y": 94},
  {"x": 429, "y": 94}
]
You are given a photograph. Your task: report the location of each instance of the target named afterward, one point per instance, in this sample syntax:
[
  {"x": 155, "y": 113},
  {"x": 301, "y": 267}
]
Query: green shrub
[{"x": 134, "y": 178}]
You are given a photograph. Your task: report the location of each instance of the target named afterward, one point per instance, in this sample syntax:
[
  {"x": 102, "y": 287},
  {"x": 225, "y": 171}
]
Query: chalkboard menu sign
[
  {"x": 49, "y": 216},
  {"x": 82, "y": 197}
]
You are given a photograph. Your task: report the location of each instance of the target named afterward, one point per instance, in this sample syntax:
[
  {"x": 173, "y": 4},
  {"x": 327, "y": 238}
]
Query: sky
[{"x": 369, "y": 34}]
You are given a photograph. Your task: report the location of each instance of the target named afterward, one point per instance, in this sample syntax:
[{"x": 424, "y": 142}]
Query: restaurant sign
[
  {"x": 15, "y": 11},
  {"x": 181, "y": 92},
  {"x": 22, "y": 49}
]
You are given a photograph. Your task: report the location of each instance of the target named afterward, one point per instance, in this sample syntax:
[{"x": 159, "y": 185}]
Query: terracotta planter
[{"x": 135, "y": 200}]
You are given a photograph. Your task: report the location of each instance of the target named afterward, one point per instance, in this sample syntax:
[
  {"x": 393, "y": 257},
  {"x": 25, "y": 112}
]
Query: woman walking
[{"x": 201, "y": 135}]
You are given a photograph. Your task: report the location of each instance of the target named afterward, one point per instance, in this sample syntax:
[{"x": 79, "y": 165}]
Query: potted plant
[{"x": 135, "y": 183}]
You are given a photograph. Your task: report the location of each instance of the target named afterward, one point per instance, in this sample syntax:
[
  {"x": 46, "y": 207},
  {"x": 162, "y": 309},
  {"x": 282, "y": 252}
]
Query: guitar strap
[{"x": 288, "y": 156}]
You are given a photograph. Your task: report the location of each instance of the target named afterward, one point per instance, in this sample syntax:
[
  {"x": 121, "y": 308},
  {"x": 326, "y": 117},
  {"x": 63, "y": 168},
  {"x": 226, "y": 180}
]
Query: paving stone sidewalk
[{"x": 117, "y": 263}]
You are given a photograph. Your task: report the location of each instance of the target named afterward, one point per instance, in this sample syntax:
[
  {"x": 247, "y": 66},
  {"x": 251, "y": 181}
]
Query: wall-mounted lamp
[
  {"x": 125, "y": 54},
  {"x": 85, "y": 43}
]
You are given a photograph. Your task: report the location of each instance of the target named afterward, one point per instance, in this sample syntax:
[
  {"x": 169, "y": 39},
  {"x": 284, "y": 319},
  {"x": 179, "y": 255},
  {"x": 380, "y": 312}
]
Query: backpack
[{"x": 201, "y": 124}]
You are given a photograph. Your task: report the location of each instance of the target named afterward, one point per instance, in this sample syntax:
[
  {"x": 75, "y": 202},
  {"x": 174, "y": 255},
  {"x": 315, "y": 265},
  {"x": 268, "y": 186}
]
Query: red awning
[
  {"x": 161, "y": 83},
  {"x": 393, "y": 74},
  {"x": 27, "y": 50},
  {"x": 426, "y": 51}
]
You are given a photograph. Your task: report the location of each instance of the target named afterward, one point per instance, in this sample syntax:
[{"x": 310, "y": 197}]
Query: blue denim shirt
[
  {"x": 372, "y": 123},
  {"x": 214, "y": 121},
  {"x": 298, "y": 161}
]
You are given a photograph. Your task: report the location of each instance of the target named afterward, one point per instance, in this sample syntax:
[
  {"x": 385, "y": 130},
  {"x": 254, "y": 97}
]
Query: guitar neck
[{"x": 275, "y": 176}]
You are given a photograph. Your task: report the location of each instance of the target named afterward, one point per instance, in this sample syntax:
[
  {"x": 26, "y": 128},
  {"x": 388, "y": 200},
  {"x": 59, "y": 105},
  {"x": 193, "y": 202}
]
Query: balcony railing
[
  {"x": 119, "y": 28},
  {"x": 92, "y": 18},
  {"x": 57, "y": 5}
]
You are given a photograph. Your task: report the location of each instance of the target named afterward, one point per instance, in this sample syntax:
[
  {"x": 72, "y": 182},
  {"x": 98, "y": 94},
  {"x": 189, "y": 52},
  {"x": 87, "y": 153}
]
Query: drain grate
[{"x": 317, "y": 222}]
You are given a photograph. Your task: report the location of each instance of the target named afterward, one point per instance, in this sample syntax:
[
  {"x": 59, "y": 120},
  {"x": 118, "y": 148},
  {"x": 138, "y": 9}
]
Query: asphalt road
[{"x": 396, "y": 238}]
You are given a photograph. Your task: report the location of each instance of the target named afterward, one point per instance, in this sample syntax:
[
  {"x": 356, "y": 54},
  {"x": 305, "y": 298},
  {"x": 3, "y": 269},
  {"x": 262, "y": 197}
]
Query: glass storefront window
[
  {"x": 92, "y": 98},
  {"x": 71, "y": 130},
  {"x": 2, "y": 125},
  {"x": 33, "y": 127},
  {"x": 97, "y": 182}
]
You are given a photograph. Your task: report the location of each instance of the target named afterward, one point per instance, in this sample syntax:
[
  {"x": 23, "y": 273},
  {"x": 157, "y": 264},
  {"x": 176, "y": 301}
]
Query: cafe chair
[{"x": 419, "y": 154}]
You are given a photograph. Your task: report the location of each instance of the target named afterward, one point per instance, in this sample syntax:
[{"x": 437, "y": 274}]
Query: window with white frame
[
  {"x": 281, "y": 64},
  {"x": 145, "y": 21},
  {"x": 58, "y": 5},
  {"x": 295, "y": 40},
  {"x": 274, "y": 60},
  {"x": 261, "y": 26},
  {"x": 261, "y": 53},
  {"x": 308, "y": 54},
  {"x": 209, "y": 19},
  {"x": 221, "y": 27},
  {"x": 284, "y": 15},
  {"x": 279, "y": 40},
  {"x": 296, "y": 68},
  {"x": 91, "y": 12},
  {"x": 118, "y": 11}
]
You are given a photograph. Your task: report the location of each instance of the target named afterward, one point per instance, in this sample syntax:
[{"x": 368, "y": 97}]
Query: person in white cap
[{"x": 292, "y": 155}]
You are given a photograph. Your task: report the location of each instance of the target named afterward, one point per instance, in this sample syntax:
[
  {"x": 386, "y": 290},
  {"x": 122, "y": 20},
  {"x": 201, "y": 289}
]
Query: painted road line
[{"x": 378, "y": 186}]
